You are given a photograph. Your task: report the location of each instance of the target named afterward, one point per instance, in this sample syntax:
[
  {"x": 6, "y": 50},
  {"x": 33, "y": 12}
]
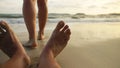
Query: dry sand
[{"x": 92, "y": 45}]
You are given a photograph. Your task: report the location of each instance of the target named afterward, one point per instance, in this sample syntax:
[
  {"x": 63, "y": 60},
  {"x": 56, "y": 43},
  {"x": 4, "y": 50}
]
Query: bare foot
[
  {"x": 55, "y": 45},
  {"x": 59, "y": 38},
  {"x": 41, "y": 35},
  {"x": 10, "y": 44},
  {"x": 31, "y": 43}
]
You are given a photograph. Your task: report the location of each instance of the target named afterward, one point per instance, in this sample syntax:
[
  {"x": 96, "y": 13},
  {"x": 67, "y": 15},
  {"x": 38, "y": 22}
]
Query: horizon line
[{"x": 69, "y": 13}]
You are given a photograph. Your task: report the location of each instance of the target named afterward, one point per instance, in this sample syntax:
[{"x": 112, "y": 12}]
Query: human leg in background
[
  {"x": 29, "y": 13},
  {"x": 42, "y": 17}
]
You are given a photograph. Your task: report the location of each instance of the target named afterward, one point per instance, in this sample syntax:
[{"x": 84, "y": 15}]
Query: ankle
[
  {"x": 22, "y": 55},
  {"x": 27, "y": 60},
  {"x": 40, "y": 35},
  {"x": 46, "y": 53},
  {"x": 41, "y": 32},
  {"x": 33, "y": 37}
]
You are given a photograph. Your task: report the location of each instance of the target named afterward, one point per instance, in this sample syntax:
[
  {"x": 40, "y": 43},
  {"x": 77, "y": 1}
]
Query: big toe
[
  {"x": 4, "y": 26},
  {"x": 60, "y": 25}
]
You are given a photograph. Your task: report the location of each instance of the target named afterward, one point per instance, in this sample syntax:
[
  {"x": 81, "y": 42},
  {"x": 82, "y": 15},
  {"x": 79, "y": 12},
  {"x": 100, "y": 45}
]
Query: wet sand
[{"x": 92, "y": 45}]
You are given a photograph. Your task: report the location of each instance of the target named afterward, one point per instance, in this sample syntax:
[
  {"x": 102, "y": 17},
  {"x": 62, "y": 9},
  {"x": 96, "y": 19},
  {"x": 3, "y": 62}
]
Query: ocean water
[{"x": 67, "y": 20}]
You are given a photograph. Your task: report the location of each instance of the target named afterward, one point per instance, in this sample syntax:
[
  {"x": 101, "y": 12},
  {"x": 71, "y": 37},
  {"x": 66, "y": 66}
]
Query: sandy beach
[{"x": 92, "y": 45}]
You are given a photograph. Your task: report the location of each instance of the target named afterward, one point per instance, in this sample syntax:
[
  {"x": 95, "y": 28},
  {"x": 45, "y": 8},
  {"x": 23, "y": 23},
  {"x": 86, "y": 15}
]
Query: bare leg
[
  {"x": 54, "y": 46},
  {"x": 42, "y": 16},
  {"x": 29, "y": 13},
  {"x": 10, "y": 45}
]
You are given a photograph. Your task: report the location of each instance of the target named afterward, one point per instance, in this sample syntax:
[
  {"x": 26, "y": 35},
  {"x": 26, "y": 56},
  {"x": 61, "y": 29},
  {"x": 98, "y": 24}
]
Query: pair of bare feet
[{"x": 11, "y": 46}]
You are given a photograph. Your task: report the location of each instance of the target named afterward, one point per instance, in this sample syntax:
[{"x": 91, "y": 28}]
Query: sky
[{"x": 67, "y": 6}]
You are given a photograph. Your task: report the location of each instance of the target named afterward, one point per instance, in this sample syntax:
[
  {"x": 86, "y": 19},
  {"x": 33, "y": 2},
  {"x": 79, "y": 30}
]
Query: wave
[
  {"x": 68, "y": 20},
  {"x": 66, "y": 15}
]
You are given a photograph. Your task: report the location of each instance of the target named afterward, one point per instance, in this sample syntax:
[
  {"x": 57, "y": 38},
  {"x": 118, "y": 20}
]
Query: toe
[
  {"x": 60, "y": 25},
  {"x": 64, "y": 29},
  {"x": 1, "y": 30},
  {"x": 3, "y": 25},
  {"x": 68, "y": 33},
  {"x": 2, "y": 34}
]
